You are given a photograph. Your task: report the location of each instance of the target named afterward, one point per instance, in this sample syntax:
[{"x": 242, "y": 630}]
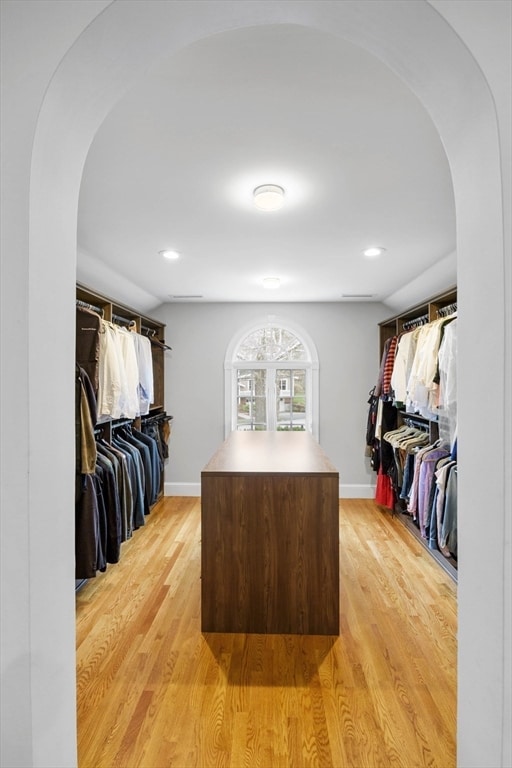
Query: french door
[{"x": 272, "y": 398}]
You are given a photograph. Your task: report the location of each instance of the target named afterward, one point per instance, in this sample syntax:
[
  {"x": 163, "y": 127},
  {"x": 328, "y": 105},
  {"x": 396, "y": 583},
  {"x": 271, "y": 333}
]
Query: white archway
[{"x": 414, "y": 40}]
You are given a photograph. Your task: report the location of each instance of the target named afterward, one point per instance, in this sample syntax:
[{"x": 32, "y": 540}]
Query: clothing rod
[
  {"x": 86, "y": 305},
  {"x": 448, "y": 310},
  {"x": 125, "y": 320},
  {"x": 159, "y": 343},
  {"x": 151, "y": 334},
  {"x": 411, "y": 420},
  {"x": 421, "y": 320},
  {"x": 150, "y": 418},
  {"x": 123, "y": 423}
]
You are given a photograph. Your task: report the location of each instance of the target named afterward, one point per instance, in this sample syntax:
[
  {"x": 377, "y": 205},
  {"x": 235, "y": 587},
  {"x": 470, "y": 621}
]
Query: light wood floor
[{"x": 153, "y": 691}]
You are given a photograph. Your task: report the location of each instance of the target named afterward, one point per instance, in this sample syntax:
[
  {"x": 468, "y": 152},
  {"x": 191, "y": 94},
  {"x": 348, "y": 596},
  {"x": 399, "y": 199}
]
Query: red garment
[{"x": 384, "y": 493}]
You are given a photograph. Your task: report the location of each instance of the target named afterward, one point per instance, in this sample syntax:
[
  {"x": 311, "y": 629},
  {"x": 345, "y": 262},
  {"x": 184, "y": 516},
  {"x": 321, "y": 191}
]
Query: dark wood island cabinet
[{"x": 270, "y": 536}]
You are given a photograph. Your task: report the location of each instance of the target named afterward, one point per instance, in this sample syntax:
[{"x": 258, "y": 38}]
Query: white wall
[
  {"x": 56, "y": 90},
  {"x": 37, "y": 637},
  {"x": 346, "y": 339}
]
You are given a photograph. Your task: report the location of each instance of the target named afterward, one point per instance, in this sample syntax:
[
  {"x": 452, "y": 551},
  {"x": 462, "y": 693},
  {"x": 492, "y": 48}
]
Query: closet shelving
[
  {"x": 427, "y": 311},
  {"x": 431, "y": 309},
  {"x": 113, "y": 311},
  {"x": 121, "y": 314}
]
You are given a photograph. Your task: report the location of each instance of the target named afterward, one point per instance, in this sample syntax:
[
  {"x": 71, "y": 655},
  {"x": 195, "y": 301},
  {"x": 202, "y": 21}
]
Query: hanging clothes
[
  {"x": 386, "y": 368},
  {"x": 426, "y": 479},
  {"x": 416, "y": 472},
  {"x": 437, "y": 509},
  {"x": 117, "y": 481},
  {"x": 385, "y": 491},
  {"x": 145, "y": 384},
  {"x": 111, "y": 384},
  {"x": 155, "y": 464},
  {"x": 159, "y": 428},
  {"x": 448, "y": 537},
  {"x": 87, "y": 344},
  {"x": 90, "y": 553},
  {"x": 422, "y": 385},
  {"x": 124, "y": 487},
  {"x": 447, "y": 404},
  {"x": 140, "y": 508},
  {"x": 127, "y": 434},
  {"x": 129, "y": 373},
  {"x": 105, "y": 473},
  {"x": 404, "y": 357}
]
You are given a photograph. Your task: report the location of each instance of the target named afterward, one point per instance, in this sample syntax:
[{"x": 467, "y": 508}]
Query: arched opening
[{"x": 419, "y": 45}]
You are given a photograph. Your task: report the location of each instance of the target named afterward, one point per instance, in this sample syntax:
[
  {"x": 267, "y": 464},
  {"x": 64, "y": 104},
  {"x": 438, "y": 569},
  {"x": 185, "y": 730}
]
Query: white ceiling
[{"x": 175, "y": 163}]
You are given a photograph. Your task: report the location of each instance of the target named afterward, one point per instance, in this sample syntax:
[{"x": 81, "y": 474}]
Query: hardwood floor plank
[{"x": 154, "y": 692}]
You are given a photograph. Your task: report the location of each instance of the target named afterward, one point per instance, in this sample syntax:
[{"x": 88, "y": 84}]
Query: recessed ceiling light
[
  {"x": 271, "y": 282},
  {"x": 268, "y": 197},
  {"x": 375, "y": 250},
  {"x": 169, "y": 254}
]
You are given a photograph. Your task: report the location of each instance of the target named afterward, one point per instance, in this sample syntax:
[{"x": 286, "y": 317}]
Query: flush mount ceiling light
[
  {"x": 268, "y": 197},
  {"x": 169, "y": 254},
  {"x": 271, "y": 282},
  {"x": 375, "y": 250}
]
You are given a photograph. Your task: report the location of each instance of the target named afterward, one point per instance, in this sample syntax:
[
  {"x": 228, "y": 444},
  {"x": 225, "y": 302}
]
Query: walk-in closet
[
  {"x": 412, "y": 424},
  {"x": 255, "y": 307}
]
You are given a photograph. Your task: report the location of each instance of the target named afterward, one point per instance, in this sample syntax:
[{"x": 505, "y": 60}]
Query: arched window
[{"x": 271, "y": 378}]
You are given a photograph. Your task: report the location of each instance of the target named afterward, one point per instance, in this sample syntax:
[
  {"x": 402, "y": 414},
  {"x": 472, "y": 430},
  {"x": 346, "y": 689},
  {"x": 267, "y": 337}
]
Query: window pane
[
  {"x": 270, "y": 344},
  {"x": 291, "y": 399},
  {"x": 251, "y": 400},
  {"x": 272, "y": 394}
]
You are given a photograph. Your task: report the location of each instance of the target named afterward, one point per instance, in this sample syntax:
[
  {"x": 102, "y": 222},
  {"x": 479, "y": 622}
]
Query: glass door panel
[
  {"x": 291, "y": 399},
  {"x": 252, "y": 399}
]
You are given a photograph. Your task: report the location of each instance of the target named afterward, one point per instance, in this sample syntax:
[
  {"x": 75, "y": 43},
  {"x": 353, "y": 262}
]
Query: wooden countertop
[{"x": 270, "y": 453}]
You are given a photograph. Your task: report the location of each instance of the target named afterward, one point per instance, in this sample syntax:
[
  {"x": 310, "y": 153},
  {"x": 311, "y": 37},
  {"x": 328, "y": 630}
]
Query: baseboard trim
[
  {"x": 355, "y": 491},
  {"x": 182, "y": 489},
  {"x": 347, "y": 490}
]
